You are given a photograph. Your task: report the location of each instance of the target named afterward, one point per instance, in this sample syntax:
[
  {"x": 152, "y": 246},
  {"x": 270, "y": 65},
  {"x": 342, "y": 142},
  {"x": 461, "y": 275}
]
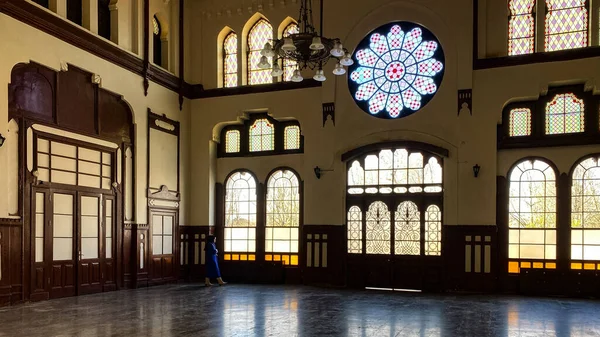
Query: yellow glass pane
[
  {"x": 268, "y": 257},
  {"x": 525, "y": 264},
  {"x": 276, "y": 257},
  {"x": 227, "y": 257},
  {"x": 235, "y": 257},
  {"x": 550, "y": 265},
  {"x": 589, "y": 266},
  {"x": 576, "y": 265},
  {"x": 294, "y": 260},
  {"x": 538, "y": 265},
  {"x": 251, "y": 257},
  {"x": 244, "y": 257},
  {"x": 285, "y": 259},
  {"x": 513, "y": 267}
]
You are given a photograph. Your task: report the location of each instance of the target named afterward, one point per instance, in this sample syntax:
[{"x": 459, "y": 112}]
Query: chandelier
[{"x": 308, "y": 49}]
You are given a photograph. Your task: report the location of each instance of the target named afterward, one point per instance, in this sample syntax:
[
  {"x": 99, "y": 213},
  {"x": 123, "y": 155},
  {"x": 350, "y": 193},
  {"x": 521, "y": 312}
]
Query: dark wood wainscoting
[
  {"x": 192, "y": 259},
  {"x": 135, "y": 253},
  {"x": 324, "y": 260},
  {"x": 11, "y": 282}
]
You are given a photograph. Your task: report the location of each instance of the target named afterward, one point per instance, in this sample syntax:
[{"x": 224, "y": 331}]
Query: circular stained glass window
[{"x": 397, "y": 70}]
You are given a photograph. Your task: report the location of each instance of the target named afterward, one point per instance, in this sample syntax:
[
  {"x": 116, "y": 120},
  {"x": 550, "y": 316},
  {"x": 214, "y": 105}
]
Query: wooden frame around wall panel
[{"x": 11, "y": 283}]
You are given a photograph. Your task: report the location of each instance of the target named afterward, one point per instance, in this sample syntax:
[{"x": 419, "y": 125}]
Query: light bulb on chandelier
[
  {"x": 276, "y": 71},
  {"x": 320, "y": 76},
  {"x": 297, "y": 77},
  {"x": 339, "y": 70}
]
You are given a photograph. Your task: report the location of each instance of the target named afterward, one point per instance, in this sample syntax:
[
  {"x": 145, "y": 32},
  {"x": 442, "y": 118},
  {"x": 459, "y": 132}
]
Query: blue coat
[{"x": 212, "y": 265}]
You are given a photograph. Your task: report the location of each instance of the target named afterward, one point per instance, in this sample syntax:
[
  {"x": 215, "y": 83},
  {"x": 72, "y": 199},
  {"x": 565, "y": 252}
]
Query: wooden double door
[{"x": 73, "y": 242}]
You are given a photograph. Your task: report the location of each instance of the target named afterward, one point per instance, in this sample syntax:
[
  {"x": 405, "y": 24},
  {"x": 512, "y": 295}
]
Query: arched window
[
  {"x": 291, "y": 137},
  {"x": 230, "y": 62},
  {"x": 355, "y": 230},
  {"x": 532, "y": 216},
  {"x": 566, "y": 24},
  {"x": 521, "y": 27},
  {"x": 565, "y": 114},
  {"x": 378, "y": 228},
  {"x": 519, "y": 122},
  {"x": 260, "y": 34},
  {"x": 289, "y": 65},
  {"x": 104, "y": 19},
  {"x": 408, "y": 229},
  {"x": 433, "y": 230},
  {"x": 585, "y": 214},
  {"x": 262, "y": 136},
  {"x": 157, "y": 43},
  {"x": 240, "y": 217},
  {"x": 232, "y": 141},
  {"x": 283, "y": 217}
]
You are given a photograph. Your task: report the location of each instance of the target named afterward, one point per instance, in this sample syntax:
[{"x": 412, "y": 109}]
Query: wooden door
[
  {"x": 109, "y": 229},
  {"x": 41, "y": 220},
  {"x": 63, "y": 244},
  {"x": 163, "y": 246},
  {"x": 90, "y": 244}
]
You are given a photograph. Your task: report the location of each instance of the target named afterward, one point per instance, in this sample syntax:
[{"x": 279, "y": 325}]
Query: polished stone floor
[{"x": 261, "y": 310}]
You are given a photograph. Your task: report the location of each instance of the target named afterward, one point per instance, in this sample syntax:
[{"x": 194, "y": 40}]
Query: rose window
[{"x": 398, "y": 69}]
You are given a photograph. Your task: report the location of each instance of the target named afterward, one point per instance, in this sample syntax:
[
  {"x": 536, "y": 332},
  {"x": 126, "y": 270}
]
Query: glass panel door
[
  {"x": 63, "y": 265},
  {"x": 90, "y": 275}
]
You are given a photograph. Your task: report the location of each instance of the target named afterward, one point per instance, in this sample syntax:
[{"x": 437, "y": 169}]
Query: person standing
[{"x": 212, "y": 263}]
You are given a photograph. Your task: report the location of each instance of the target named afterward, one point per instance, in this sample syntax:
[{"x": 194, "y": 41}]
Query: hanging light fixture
[{"x": 308, "y": 48}]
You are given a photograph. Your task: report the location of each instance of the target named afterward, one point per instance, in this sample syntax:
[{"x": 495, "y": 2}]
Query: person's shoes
[
  {"x": 207, "y": 282},
  {"x": 221, "y": 282}
]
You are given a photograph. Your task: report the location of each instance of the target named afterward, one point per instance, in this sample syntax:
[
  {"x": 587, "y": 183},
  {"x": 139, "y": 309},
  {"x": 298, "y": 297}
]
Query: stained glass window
[
  {"x": 230, "y": 63},
  {"x": 407, "y": 229},
  {"x": 585, "y": 212},
  {"x": 565, "y": 114},
  {"x": 521, "y": 27},
  {"x": 289, "y": 65},
  {"x": 355, "y": 230},
  {"x": 262, "y": 136},
  {"x": 261, "y": 33},
  {"x": 566, "y": 24},
  {"x": 519, "y": 122},
  {"x": 283, "y": 216},
  {"x": 378, "y": 228},
  {"x": 240, "y": 214},
  {"x": 433, "y": 230},
  {"x": 397, "y": 70},
  {"x": 232, "y": 141},
  {"x": 291, "y": 135},
  {"x": 155, "y": 26},
  {"x": 532, "y": 215}
]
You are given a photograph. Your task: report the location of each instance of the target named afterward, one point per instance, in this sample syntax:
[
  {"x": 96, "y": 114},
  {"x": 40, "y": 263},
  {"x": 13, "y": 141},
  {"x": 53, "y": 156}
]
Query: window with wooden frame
[
  {"x": 289, "y": 65},
  {"x": 260, "y": 34},
  {"x": 566, "y": 24},
  {"x": 395, "y": 201},
  {"x": 252, "y": 212},
  {"x": 230, "y": 61},
  {"x": 261, "y": 135},
  {"x": 566, "y": 115},
  {"x": 521, "y": 27},
  {"x": 532, "y": 216}
]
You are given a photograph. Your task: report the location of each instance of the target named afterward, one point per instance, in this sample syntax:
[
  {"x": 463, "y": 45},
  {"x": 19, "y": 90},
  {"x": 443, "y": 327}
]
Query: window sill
[
  {"x": 256, "y": 89},
  {"x": 541, "y": 57}
]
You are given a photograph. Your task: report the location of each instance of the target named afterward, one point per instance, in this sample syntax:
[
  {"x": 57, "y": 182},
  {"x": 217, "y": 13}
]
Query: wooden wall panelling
[
  {"x": 143, "y": 253},
  {"x": 193, "y": 257},
  {"x": 11, "y": 284},
  {"x": 324, "y": 256}
]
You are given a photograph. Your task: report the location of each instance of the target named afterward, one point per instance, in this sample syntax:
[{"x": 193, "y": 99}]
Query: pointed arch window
[
  {"x": 565, "y": 114},
  {"x": 566, "y": 24},
  {"x": 585, "y": 214},
  {"x": 521, "y": 27},
  {"x": 378, "y": 228},
  {"x": 355, "y": 234},
  {"x": 230, "y": 62},
  {"x": 240, "y": 217},
  {"x": 408, "y": 229},
  {"x": 262, "y": 136},
  {"x": 532, "y": 216},
  {"x": 259, "y": 35},
  {"x": 289, "y": 65},
  {"x": 283, "y": 217},
  {"x": 157, "y": 43}
]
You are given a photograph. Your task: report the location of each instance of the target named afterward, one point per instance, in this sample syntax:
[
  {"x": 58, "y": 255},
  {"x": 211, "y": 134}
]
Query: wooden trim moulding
[
  {"x": 198, "y": 92},
  {"x": 541, "y": 57}
]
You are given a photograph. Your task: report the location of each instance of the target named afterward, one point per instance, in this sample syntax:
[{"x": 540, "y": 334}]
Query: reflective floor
[{"x": 260, "y": 310}]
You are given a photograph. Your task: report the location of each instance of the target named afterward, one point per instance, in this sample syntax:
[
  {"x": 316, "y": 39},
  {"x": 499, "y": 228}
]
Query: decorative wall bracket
[
  {"x": 465, "y": 96},
  {"x": 328, "y": 110}
]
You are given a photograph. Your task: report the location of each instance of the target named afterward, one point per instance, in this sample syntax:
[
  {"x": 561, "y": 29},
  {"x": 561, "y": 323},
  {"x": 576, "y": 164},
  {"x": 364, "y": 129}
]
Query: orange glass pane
[
  {"x": 251, "y": 257},
  {"x": 525, "y": 264},
  {"x": 294, "y": 260},
  {"x": 589, "y": 266},
  {"x": 268, "y": 257},
  {"x": 227, "y": 257},
  {"x": 577, "y": 266},
  {"x": 550, "y": 265},
  {"x": 235, "y": 257},
  {"x": 538, "y": 265},
  {"x": 285, "y": 259},
  {"x": 276, "y": 257},
  {"x": 244, "y": 257},
  {"x": 513, "y": 267}
]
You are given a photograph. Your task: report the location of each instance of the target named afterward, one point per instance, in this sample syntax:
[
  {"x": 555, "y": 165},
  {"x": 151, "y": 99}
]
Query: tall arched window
[
  {"x": 289, "y": 65},
  {"x": 566, "y": 24},
  {"x": 260, "y": 34},
  {"x": 565, "y": 114},
  {"x": 230, "y": 62},
  {"x": 532, "y": 216},
  {"x": 157, "y": 43},
  {"x": 585, "y": 214},
  {"x": 521, "y": 27},
  {"x": 408, "y": 229},
  {"x": 240, "y": 217},
  {"x": 262, "y": 136},
  {"x": 378, "y": 228},
  {"x": 283, "y": 217}
]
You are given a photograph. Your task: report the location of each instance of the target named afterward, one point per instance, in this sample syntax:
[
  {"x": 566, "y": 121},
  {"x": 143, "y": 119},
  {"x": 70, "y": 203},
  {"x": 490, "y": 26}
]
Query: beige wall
[{"x": 33, "y": 45}]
